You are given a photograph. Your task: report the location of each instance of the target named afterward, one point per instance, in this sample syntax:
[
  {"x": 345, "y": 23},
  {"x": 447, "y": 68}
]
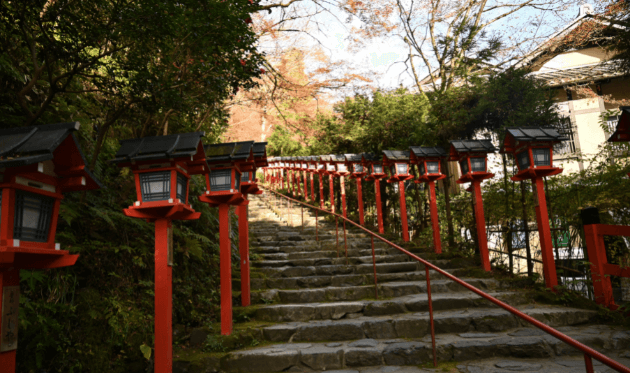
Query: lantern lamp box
[
  {"x": 472, "y": 158},
  {"x": 248, "y": 178},
  {"x": 622, "y": 131},
  {"x": 227, "y": 162},
  {"x": 339, "y": 162},
  {"x": 398, "y": 162},
  {"x": 532, "y": 148},
  {"x": 373, "y": 166},
  {"x": 162, "y": 167},
  {"x": 329, "y": 165},
  {"x": 39, "y": 164},
  {"x": 428, "y": 162},
  {"x": 354, "y": 163}
]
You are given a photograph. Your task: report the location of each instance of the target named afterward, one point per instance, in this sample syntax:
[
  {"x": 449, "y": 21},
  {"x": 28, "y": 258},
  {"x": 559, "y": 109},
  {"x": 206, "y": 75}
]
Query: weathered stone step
[
  {"x": 307, "y": 236},
  {"x": 411, "y": 303},
  {"x": 353, "y": 293},
  {"x": 294, "y": 247},
  {"x": 327, "y": 254},
  {"x": 469, "y": 348},
  {"x": 331, "y": 261},
  {"x": 338, "y": 280}
]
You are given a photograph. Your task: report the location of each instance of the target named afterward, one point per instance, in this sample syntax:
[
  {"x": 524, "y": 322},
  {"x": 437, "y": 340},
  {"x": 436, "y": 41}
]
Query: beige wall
[{"x": 574, "y": 58}]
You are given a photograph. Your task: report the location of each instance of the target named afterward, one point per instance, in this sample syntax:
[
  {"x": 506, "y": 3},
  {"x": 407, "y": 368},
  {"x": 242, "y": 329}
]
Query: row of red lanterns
[
  {"x": 532, "y": 148},
  {"x": 39, "y": 164}
]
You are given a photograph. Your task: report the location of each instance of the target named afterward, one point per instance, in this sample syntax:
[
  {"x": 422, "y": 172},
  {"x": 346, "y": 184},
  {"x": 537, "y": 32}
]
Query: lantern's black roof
[
  {"x": 370, "y": 157},
  {"x": 325, "y": 158},
  {"x": 314, "y": 158},
  {"x": 535, "y": 134},
  {"x": 353, "y": 157},
  {"x": 260, "y": 149},
  {"x": 338, "y": 157},
  {"x": 396, "y": 155},
  {"x": 158, "y": 147},
  {"x": 428, "y": 151},
  {"x": 473, "y": 146},
  {"x": 229, "y": 151},
  {"x": 23, "y": 146}
]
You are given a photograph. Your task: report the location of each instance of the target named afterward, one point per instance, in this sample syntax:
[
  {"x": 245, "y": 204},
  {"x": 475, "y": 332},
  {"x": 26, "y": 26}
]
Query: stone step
[
  {"x": 327, "y": 254},
  {"x": 338, "y": 280},
  {"x": 524, "y": 347},
  {"x": 354, "y": 293},
  {"x": 331, "y": 261},
  {"x": 400, "y": 305}
]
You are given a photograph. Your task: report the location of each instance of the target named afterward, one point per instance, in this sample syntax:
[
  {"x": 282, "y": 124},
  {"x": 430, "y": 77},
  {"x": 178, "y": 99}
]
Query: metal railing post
[
  {"x": 428, "y": 278},
  {"x": 374, "y": 266},
  {"x": 337, "y": 233},
  {"x": 345, "y": 241},
  {"x": 589, "y": 363},
  {"x": 317, "y": 225},
  {"x": 302, "y": 210}
]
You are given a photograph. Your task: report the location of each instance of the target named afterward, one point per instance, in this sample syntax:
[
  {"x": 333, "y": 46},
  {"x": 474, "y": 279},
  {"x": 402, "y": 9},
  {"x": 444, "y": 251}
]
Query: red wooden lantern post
[
  {"x": 39, "y": 164},
  {"x": 223, "y": 191},
  {"x": 281, "y": 169},
  {"x": 622, "y": 132},
  {"x": 330, "y": 170},
  {"x": 374, "y": 166},
  {"x": 304, "y": 169},
  {"x": 321, "y": 170},
  {"x": 429, "y": 165},
  {"x": 471, "y": 155},
  {"x": 532, "y": 147},
  {"x": 353, "y": 162},
  {"x": 312, "y": 169},
  {"x": 249, "y": 185},
  {"x": 398, "y": 162},
  {"x": 341, "y": 170},
  {"x": 162, "y": 167}
]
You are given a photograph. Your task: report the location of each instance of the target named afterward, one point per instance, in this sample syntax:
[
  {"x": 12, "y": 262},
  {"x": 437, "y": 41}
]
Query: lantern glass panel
[
  {"x": 331, "y": 167},
  {"x": 464, "y": 166},
  {"x": 237, "y": 182},
  {"x": 33, "y": 213},
  {"x": 433, "y": 167},
  {"x": 245, "y": 177},
  {"x": 421, "y": 168},
  {"x": 220, "y": 180},
  {"x": 182, "y": 187},
  {"x": 402, "y": 168},
  {"x": 378, "y": 169},
  {"x": 311, "y": 166},
  {"x": 155, "y": 186},
  {"x": 342, "y": 167},
  {"x": 541, "y": 157},
  {"x": 304, "y": 166},
  {"x": 478, "y": 164},
  {"x": 358, "y": 167},
  {"x": 320, "y": 166},
  {"x": 523, "y": 160}
]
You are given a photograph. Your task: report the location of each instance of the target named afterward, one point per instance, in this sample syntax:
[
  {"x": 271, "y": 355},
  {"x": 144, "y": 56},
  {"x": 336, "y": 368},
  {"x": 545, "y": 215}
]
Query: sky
[{"x": 382, "y": 59}]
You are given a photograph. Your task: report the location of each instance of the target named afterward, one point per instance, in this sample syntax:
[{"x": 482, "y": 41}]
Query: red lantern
[
  {"x": 372, "y": 164},
  {"x": 331, "y": 171},
  {"x": 398, "y": 162},
  {"x": 472, "y": 157},
  {"x": 354, "y": 163},
  {"x": 532, "y": 148},
  {"x": 429, "y": 166},
  {"x": 226, "y": 162},
  {"x": 162, "y": 167},
  {"x": 320, "y": 169},
  {"x": 39, "y": 164}
]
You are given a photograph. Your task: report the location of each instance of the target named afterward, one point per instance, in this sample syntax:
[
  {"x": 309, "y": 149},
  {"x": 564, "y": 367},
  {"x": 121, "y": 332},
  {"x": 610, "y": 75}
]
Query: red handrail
[{"x": 588, "y": 352}]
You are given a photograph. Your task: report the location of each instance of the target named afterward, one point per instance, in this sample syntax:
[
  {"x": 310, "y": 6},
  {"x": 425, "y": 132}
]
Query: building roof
[
  {"x": 151, "y": 148},
  {"x": 473, "y": 146},
  {"x": 23, "y": 146},
  {"x": 581, "y": 74},
  {"x": 428, "y": 151},
  {"x": 396, "y": 155}
]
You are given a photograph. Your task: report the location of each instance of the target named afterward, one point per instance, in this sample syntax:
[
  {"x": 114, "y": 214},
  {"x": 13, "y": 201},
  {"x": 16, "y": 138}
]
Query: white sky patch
[{"x": 383, "y": 59}]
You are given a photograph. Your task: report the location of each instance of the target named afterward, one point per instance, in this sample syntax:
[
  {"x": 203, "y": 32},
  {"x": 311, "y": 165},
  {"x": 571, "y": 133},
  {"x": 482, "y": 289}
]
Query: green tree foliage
[{"x": 123, "y": 69}]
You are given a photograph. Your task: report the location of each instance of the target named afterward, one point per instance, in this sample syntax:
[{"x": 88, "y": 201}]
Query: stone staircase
[{"x": 319, "y": 311}]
